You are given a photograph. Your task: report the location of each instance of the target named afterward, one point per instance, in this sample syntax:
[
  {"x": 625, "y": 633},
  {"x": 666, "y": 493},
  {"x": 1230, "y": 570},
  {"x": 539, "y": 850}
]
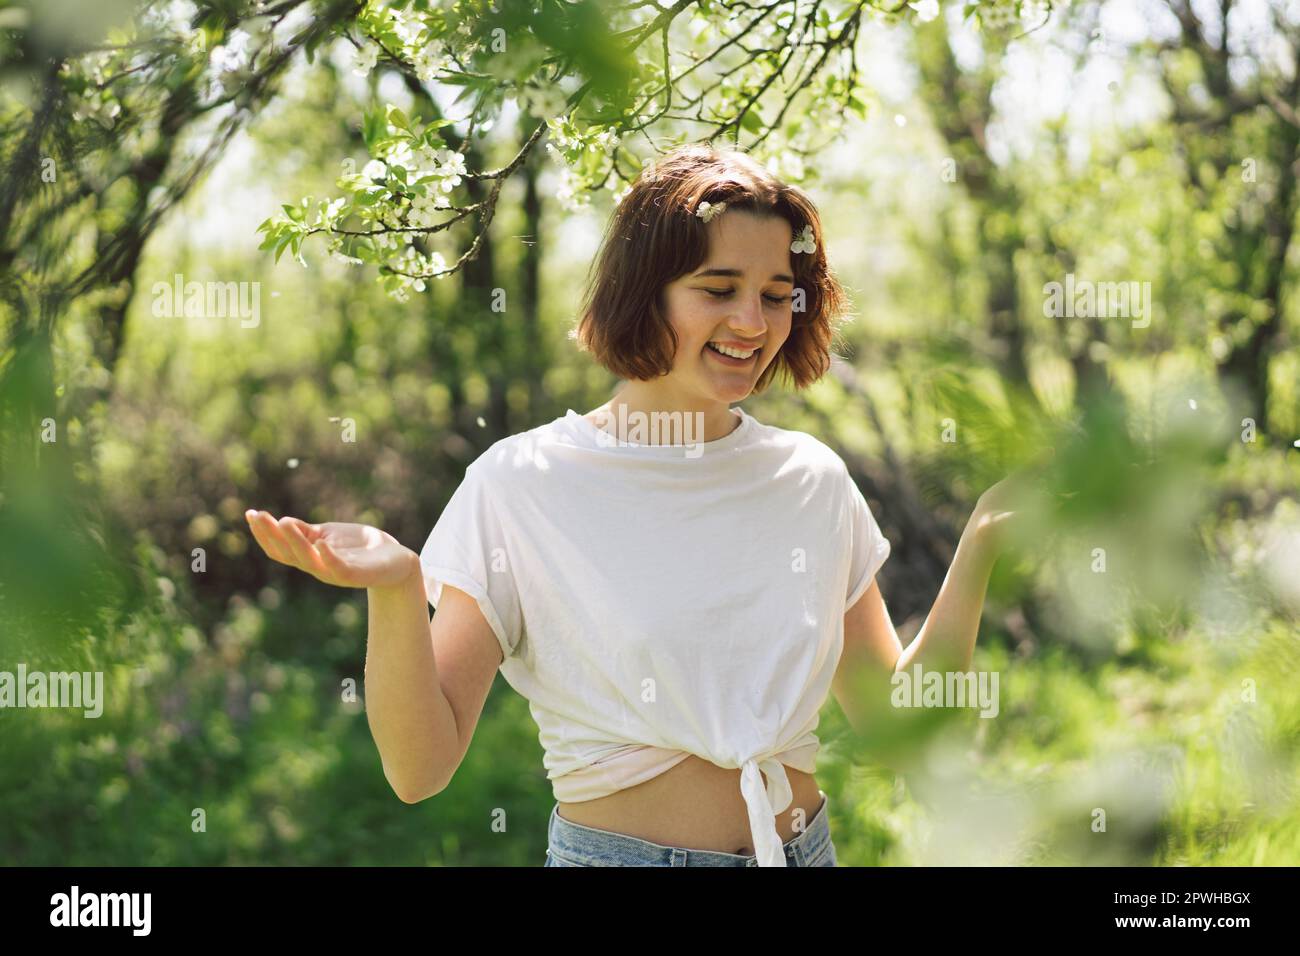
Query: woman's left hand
[{"x": 1000, "y": 514}]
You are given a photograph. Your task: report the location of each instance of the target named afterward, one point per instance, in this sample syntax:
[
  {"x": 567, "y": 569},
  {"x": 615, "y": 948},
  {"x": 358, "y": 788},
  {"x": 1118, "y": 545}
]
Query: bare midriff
[{"x": 696, "y": 805}]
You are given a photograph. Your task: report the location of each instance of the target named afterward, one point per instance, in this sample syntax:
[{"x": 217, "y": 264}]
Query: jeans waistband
[{"x": 590, "y": 846}]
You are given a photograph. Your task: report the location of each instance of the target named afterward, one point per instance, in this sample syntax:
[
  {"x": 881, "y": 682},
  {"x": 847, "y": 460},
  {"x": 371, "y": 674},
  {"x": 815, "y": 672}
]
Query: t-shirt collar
[{"x": 594, "y": 437}]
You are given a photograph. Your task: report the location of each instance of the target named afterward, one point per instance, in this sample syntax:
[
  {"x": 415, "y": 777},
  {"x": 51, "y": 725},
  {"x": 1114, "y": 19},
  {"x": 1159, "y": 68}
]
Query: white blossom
[
  {"x": 429, "y": 64},
  {"x": 543, "y": 101},
  {"x": 424, "y": 208},
  {"x": 96, "y": 63},
  {"x": 804, "y": 242},
  {"x": 708, "y": 211},
  {"x": 926, "y": 10},
  {"x": 451, "y": 165},
  {"x": 101, "y": 111},
  {"x": 332, "y": 210},
  {"x": 427, "y": 158},
  {"x": 232, "y": 55},
  {"x": 1034, "y": 10},
  {"x": 175, "y": 17},
  {"x": 363, "y": 61},
  {"x": 569, "y": 194},
  {"x": 558, "y": 130},
  {"x": 408, "y": 31},
  {"x": 997, "y": 16},
  {"x": 606, "y": 139},
  {"x": 399, "y": 154},
  {"x": 350, "y": 260}
]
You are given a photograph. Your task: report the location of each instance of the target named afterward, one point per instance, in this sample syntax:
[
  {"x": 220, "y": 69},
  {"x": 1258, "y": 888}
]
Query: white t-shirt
[{"x": 657, "y": 601}]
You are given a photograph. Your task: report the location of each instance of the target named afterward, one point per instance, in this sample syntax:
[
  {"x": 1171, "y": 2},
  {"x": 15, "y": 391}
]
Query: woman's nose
[{"x": 749, "y": 316}]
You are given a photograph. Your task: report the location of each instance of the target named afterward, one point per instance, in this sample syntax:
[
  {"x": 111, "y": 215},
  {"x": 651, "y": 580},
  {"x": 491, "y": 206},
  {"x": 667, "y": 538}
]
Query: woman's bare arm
[
  {"x": 426, "y": 682},
  {"x": 946, "y": 642},
  {"x": 871, "y": 649},
  {"x": 872, "y": 653}
]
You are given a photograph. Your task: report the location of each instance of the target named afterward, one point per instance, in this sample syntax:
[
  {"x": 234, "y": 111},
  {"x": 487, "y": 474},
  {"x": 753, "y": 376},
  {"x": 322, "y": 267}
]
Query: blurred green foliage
[{"x": 1145, "y": 636}]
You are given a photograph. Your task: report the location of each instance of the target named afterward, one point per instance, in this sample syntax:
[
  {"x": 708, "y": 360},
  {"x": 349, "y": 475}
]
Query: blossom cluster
[{"x": 405, "y": 187}]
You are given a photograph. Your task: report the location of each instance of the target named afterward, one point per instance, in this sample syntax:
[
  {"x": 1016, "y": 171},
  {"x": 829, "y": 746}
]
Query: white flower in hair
[
  {"x": 804, "y": 241},
  {"x": 707, "y": 210}
]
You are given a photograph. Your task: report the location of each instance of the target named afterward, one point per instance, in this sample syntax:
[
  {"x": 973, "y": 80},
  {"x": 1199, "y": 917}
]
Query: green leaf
[
  {"x": 751, "y": 122},
  {"x": 372, "y": 128},
  {"x": 397, "y": 118},
  {"x": 313, "y": 43}
]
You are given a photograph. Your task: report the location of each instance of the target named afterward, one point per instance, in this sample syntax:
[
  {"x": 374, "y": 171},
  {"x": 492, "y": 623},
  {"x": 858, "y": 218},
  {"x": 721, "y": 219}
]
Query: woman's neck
[{"x": 668, "y": 420}]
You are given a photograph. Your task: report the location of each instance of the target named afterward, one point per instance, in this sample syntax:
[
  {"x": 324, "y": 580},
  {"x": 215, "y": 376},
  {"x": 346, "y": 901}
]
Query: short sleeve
[
  {"x": 467, "y": 549},
  {"x": 870, "y": 547}
]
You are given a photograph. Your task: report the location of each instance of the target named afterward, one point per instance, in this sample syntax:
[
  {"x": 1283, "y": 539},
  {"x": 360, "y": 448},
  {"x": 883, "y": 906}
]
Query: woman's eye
[{"x": 723, "y": 293}]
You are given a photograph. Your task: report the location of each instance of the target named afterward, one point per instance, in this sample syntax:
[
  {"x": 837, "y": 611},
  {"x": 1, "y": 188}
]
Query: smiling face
[{"x": 736, "y": 301}]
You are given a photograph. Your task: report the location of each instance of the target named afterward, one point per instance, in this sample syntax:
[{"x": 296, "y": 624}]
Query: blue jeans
[{"x": 572, "y": 844}]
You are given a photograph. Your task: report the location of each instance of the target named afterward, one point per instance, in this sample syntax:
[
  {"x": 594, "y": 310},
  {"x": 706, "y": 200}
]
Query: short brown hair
[{"x": 654, "y": 237}]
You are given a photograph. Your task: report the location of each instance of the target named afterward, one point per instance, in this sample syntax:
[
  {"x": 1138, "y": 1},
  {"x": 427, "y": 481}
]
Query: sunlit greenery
[{"x": 964, "y": 157}]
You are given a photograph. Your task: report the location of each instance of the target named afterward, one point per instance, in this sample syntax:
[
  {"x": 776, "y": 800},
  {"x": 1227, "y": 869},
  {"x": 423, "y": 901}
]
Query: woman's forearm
[
  {"x": 410, "y": 719},
  {"x": 946, "y": 641}
]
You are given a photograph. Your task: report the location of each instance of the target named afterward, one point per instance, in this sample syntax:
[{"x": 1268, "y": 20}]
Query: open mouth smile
[{"x": 734, "y": 358}]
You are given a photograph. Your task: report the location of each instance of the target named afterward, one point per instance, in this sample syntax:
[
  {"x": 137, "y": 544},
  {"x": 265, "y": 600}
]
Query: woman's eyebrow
[{"x": 736, "y": 274}]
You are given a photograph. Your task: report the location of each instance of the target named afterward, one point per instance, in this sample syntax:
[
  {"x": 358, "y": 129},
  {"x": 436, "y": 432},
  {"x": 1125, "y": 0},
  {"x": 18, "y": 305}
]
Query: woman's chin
[
  {"x": 732, "y": 386},
  {"x": 732, "y": 393}
]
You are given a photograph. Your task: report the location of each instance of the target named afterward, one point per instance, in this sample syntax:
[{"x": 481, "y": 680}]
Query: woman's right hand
[{"x": 336, "y": 552}]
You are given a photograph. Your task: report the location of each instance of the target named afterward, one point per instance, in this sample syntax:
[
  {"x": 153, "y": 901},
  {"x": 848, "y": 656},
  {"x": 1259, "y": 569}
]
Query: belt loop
[{"x": 679, "y": 857}]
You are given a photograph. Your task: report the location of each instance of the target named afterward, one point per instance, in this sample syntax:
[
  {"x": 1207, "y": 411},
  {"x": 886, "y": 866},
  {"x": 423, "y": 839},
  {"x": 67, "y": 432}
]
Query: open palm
[{"x": 336, "y": 552}]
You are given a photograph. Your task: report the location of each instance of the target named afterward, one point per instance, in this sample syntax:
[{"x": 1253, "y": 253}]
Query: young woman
[{"x": 674, "y": 586}]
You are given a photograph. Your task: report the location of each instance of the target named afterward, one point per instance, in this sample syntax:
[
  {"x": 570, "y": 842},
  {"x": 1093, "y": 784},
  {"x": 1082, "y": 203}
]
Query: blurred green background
[{"x": 1155, "y": 679}]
